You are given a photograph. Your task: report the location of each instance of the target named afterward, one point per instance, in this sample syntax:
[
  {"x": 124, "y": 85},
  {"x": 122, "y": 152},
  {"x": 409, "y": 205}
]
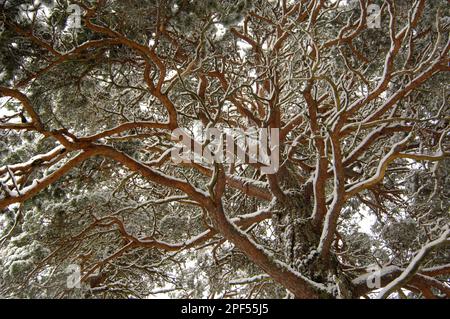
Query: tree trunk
[{"x": 298, "y": 240}]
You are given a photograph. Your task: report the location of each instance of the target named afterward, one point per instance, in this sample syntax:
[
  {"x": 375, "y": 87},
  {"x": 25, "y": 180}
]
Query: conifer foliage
[{"x": 92, "y": 91}]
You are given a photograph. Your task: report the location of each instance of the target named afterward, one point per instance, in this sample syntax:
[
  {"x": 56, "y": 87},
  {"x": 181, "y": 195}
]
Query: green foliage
[{"x": 75, "y": 219}]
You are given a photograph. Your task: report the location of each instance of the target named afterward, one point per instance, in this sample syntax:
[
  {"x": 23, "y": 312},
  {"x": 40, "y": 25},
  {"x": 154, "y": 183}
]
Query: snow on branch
[{"x": 414, "y": 266}]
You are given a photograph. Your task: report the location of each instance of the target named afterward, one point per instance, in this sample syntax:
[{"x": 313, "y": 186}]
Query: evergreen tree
[{"x": 92, "y": 91}]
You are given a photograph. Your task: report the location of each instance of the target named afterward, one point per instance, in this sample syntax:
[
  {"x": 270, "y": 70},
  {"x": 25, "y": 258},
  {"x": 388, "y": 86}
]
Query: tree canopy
[{"x": 92, "y": 91}]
